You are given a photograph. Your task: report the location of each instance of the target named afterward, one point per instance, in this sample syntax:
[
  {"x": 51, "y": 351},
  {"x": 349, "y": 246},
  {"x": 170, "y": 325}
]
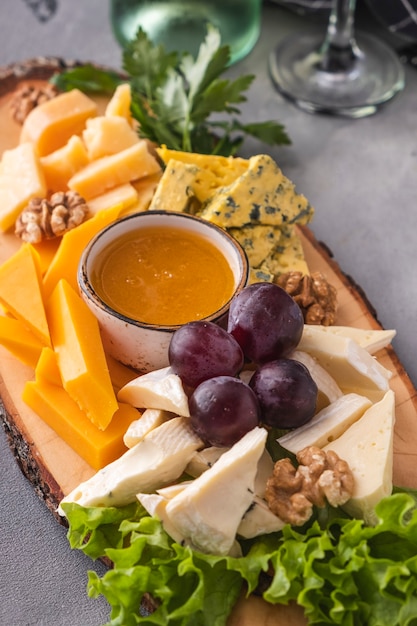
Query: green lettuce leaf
[{"x": 338, "y": 569}]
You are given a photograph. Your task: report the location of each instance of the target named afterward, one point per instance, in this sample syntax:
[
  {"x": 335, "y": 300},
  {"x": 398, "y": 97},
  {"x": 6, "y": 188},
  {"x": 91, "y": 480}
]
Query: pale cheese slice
[
  {"x": 372, "y": 340},
  {"x": 367, "y": 446},
  {"x": 259, "y": 520},
  {"x": 160, "y": 389},
  {"x": 138, "y": 429},
  {"x": 202, "y": 460},
  {"x": 328, "y": 389},
  {"x": 352, "y": 367},
  {"x": 160, "y": 458},
  {"x": 328, "y": 424},
  {"x": 156, "y": 505},
  {"x": 208, "y": 512}
]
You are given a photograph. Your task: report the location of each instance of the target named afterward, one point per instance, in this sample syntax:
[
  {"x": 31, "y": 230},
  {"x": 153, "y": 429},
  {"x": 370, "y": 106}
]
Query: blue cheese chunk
[
  {"x": 160, "y": 458},
  {"x": 175, "y": 190},
  {"x": 258, "y": 241},
  {"x": 261, "y": 195},
  {"x": 208, "y": 512}
]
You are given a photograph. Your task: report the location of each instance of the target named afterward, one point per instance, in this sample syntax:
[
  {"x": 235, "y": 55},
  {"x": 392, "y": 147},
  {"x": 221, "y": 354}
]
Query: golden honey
[{"x": 163, "y": 275}]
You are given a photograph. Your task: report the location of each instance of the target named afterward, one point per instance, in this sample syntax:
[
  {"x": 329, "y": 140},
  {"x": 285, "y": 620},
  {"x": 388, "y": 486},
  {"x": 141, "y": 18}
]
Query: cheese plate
[{"x": 54, "y": 469}]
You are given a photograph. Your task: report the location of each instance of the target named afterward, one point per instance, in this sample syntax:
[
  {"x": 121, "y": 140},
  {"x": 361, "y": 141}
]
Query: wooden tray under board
[{"x": 54, "y": 469}]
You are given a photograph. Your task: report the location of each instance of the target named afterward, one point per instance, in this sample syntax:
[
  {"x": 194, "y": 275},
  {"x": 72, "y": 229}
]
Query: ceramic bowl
[{"x": 144, "y": 346}]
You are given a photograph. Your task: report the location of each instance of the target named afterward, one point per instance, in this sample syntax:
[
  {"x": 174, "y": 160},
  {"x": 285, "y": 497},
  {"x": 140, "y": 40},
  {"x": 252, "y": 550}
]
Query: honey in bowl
[
  {"x": 182, "y": 268},
  {"x": 163, "y": 275}
]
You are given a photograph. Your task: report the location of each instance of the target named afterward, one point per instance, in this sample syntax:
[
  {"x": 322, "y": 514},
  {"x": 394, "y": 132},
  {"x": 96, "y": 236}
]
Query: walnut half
[
  {"x": 321, "y": 476},
  {"x": 46, "y": 219},
  {"x": 315, "y": 296}
]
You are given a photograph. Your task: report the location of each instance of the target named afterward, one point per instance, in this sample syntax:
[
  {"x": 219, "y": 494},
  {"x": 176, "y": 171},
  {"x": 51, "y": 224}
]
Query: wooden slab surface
[{"x": 54, "y": 469}]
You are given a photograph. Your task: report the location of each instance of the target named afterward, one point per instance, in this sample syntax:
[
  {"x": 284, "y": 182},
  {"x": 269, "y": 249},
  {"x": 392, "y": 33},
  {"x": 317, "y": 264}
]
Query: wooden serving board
[{"x": 54, "y": 469}]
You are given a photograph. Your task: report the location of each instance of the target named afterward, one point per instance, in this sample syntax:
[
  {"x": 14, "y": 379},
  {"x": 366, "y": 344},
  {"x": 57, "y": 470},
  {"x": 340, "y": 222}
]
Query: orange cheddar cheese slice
[
  {"x": 59, "y": 166},
  {"x": 21, "y": 291},
  {"x": 47, "y": 249},
  {"x": 81, "y": 360},
  {"x": 21, "y": 178},
  {"x": 20, "y": 341},
  {"x": 47, "y": 368},
  {"x": 66, "y": 260},
  {"x": 113, "y": 170},
  {"x": 56, "y": 407},
  {"x": 51, "y": 124},
  {"x": 120, "y": 374}
]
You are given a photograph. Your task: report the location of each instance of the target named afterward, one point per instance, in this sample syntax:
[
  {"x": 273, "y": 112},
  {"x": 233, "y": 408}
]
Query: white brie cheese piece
[
  {"x": 372, "y": 340},
  {"x": 367, "y": 446},
  {"x": 259, "y": 520},
  {"x": 208, "y": 512},
  {"x": 138, "y": 429},
  {"x": 203, "y": 460},
  {"x": 352, "y": 367},
  {"x": 160, "y": 458},
  {"x": 326, "y": 384},
  {"x": 156, "y": 505},
  {"x": 328, "y": 424},
  {"x": 160, "y": 389}
]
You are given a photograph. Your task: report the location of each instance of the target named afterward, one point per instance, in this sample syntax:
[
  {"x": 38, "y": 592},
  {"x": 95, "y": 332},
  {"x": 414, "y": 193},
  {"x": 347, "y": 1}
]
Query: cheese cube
[
  {"x": 21, "y": 178},
  {"x": 113, "y": 170},
  {"x": 124, "y": 195},
  {"x": 59, "y": 166},
  {"x": 51, "y": 124},
  {"x": 108, "y": 135},
  {"x": 120, "y": 102}
]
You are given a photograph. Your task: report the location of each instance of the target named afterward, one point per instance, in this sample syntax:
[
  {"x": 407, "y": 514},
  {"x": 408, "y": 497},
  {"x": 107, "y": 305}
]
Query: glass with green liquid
[{"x": 181, "y": 25}]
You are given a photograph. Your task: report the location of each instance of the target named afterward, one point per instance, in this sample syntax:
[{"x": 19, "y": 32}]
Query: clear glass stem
[{"x": 339, "y": 49}]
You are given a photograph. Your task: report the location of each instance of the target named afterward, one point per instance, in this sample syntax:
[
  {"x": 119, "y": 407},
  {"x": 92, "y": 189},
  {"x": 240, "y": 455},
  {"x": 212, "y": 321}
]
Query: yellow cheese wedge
[
  {"x": 105, "y": 135},
  {"x": 125, "y": 195},
  {"x": 65, "y": 262},
  {"x": 113, "y": 170},
  {"x": 59, "y": 166},
  {"x": 47, "y": 368},
  {"x": 51, "y": 124},
  {"x": 55, "y": 406},
  {"x": 47, "y": 249},
  {"x": 21, "y": 178},
  {"x": 120, "y": 102},
  {"x": 20, "y": 341},
  {"x": 82, "y": 363},
  {"x": 21, "y": 291},
  {"x": 120, "y": 374}
]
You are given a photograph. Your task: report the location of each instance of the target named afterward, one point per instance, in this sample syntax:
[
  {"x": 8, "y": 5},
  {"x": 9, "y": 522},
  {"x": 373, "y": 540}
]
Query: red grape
[
  {"x": 222, "y": 410},
  {"x": 286, "y": 392},
  {"x": 266, "y": 322},
  {"x": 201, "y": 350}
]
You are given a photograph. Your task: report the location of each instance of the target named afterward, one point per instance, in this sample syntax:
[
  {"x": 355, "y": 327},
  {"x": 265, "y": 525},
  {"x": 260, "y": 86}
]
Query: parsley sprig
[{"x": 177, "y": 99}]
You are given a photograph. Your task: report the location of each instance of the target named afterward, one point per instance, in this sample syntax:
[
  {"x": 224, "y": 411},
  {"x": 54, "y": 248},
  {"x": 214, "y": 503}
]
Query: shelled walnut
[
  {"x": 46, "y": 219},
  {"x": 321, "y": 476},
  {"x": 316, "y": 297},
  {"x": 28, "y": 97}
]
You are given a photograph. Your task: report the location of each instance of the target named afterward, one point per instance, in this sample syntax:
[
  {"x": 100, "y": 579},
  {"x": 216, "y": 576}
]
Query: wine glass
[{"x": 337, "y": 75}]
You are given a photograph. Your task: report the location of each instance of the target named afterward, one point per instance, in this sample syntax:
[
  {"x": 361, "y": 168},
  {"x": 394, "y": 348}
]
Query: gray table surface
[{"x": 360, "y": 175}]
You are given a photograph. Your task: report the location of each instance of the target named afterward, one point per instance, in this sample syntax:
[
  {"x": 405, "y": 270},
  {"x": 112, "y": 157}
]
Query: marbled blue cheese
[
  {"x": 367, "y": 446},
  {"x": 208, "y": 512},
  {"x": 262, "y": 195},
  {"x": 160, "y": 458},
  {"x": 258, "y": 241},
  {"x": 175, "y": 191},
  {"x": 287, "y": 255}
]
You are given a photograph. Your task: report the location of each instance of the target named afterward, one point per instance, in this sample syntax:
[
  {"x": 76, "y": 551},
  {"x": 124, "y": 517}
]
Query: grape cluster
[{"x": 264, "y": 325}]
